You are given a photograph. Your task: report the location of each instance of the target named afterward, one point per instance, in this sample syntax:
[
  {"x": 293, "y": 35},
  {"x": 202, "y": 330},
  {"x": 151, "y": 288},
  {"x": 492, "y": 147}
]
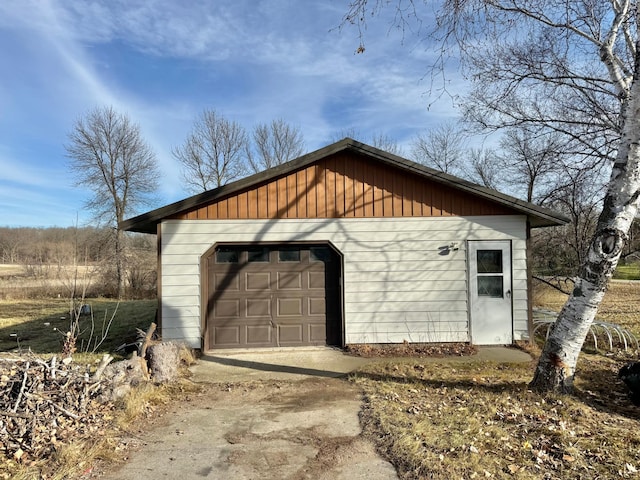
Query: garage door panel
[
  {"x": 288, "y": 307},
  {"x": 258, "y": 281},
  {"x": 290, "y": 334},
  {"x": 258, "y": 307},
  {"x": 289, "y": 280},
  {"x": 259, "y": 335},
  {"x": 228, "y": 336},
  {"x": 227, "y": 308},
  {"x": 317, "y": 333},
  {"x": 226, "y": 282},
  {"x": 316, "y": 280},
  {"x": 317, "y": 306}
]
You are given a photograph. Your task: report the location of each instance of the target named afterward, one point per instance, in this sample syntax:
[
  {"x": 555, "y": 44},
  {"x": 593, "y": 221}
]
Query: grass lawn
[
  {"x": 435, "y": 420},
  {"x": 464, "y": 421},
  {"x": 479, "y": 420},
  {"x": 629, "y": 271},
  {"x": 40, "y": 325}
]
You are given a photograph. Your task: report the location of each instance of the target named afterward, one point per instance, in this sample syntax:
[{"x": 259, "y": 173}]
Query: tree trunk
[
  {"x": 557, "y": 364},
  {"x": 120, "y": 263}
]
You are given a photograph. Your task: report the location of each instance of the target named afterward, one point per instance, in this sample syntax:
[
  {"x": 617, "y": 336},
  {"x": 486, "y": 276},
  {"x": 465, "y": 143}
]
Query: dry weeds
[{"x": 621, "y": 303}]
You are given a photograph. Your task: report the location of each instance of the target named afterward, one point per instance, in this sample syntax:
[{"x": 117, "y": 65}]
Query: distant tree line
[
  {"x": 52, "y": 253},
  {"x": 51, "y": 246}
]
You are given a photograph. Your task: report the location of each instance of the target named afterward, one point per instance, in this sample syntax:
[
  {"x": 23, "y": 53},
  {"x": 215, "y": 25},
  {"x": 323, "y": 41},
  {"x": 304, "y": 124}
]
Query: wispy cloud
[{"x": 163, "y": 62}]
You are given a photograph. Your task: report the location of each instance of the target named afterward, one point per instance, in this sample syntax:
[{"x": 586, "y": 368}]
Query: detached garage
[{"x": 348, "y": 244}]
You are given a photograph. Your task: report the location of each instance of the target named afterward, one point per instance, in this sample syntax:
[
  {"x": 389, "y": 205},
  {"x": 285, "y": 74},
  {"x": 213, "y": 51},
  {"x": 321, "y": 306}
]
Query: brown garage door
[{"x": 269, "y": 296}]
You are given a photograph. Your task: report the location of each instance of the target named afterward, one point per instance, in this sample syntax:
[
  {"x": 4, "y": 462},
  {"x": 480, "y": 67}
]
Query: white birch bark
[{"x": 557, "y": 364}]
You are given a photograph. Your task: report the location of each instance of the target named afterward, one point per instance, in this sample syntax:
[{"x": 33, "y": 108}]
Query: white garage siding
[{"x": 399, "y": 282}]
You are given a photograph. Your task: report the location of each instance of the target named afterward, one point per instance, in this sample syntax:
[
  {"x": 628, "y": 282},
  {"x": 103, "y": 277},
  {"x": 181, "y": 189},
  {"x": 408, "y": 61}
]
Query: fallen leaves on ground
[
  {"x": 447, "y": 420},
  {"x": 408, "y": 349}
]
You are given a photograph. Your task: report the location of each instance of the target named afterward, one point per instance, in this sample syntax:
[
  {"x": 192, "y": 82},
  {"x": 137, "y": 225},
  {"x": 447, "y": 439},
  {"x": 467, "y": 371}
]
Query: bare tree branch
[
  {"x": 109, "y": 157},
  {"x": 441, "y": 148},
  {"x": 213, "y": 153},
  {"x": 274, "y": 144}
]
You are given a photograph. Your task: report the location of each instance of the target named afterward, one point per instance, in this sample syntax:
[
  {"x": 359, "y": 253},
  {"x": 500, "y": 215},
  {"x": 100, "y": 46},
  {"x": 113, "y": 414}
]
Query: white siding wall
[{"x": 398, "y": 284}]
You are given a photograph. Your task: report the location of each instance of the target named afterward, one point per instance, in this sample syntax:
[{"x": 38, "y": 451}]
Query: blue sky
[{"x": 162, "y": 62}]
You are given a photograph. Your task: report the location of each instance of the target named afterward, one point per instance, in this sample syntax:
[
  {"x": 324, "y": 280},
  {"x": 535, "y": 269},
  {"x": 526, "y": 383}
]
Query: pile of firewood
[{"x": 45, "y": 403}]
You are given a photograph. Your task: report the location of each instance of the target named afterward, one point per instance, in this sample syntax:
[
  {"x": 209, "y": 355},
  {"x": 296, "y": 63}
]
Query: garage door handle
[{"x": 508, "y": 293}]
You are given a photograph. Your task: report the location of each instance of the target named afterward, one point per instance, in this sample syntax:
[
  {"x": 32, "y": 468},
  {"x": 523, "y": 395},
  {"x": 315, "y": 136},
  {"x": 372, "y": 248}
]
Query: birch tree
[
  {"x": 110, "y": 158},
  {"x": 573, "y": 67}
]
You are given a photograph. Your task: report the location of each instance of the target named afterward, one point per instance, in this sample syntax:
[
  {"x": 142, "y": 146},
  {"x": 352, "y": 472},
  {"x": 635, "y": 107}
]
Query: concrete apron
[{"x": 229, "y": 366}]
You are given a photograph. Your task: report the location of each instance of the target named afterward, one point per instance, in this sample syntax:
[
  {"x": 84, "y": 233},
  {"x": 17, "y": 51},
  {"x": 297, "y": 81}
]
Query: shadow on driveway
[{"x": 325, "y": 362}]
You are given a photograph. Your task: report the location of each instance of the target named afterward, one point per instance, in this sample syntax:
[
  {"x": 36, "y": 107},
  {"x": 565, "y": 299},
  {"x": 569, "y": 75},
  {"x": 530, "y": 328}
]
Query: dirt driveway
[{"x": 292, "y": 422}]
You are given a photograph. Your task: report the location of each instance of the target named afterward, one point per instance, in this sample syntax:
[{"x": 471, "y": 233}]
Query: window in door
[{"x": 490, "y": 273}]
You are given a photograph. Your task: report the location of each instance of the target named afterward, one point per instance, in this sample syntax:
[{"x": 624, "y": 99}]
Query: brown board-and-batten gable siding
[{"x": 346, "y": 185}]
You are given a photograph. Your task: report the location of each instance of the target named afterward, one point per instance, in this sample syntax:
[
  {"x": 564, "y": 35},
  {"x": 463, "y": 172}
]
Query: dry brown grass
[
  {"x": 24, "y": 282},
  {"x": 479, "y": 420},
  {"x": 78, "y": 457},
  {"x": 621, "y": 303}
]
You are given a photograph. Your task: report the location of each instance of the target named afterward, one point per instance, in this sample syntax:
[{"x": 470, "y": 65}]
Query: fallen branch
[
  {"x": 24, "y": 383},
  {"x": 64, "y": 410},
  {"x": 106, "y": 360},
  {"x": 16, "y": 415}
]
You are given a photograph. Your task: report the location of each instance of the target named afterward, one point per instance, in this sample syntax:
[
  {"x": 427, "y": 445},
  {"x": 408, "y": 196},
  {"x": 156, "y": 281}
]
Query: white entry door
[{"x": 490, "y": 292}]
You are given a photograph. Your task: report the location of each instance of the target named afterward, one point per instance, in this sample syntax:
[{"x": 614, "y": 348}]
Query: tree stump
[{"x": 164, "y": 361}]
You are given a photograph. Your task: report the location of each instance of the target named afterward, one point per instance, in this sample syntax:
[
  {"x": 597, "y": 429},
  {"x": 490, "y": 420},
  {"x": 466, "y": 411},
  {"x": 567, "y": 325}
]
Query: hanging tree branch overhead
[{"x": 569, "y": 67}]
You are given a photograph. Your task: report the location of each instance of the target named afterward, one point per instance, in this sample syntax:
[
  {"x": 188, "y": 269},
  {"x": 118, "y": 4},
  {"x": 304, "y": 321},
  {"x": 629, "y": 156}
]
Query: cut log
[
  {"x": 106, "y": 360},
  {"x": 164, "y": 361}
]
